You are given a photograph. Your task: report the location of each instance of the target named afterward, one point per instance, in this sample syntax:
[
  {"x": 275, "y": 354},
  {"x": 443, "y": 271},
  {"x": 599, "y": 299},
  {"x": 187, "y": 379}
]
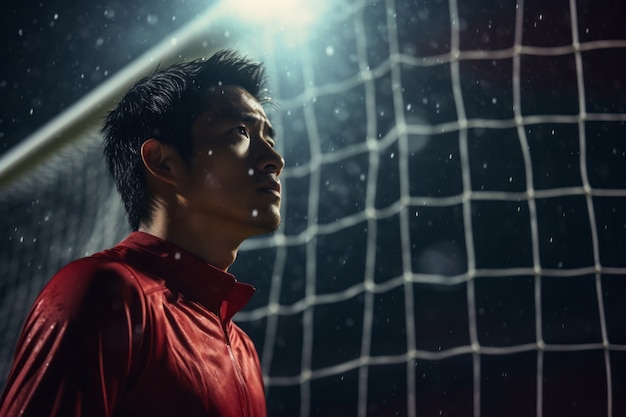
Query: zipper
[{"x": 243, "y": 392}]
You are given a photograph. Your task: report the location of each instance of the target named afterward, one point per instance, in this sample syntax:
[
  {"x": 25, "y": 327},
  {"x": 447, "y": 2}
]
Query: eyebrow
[{"x": 232, "y": 113}]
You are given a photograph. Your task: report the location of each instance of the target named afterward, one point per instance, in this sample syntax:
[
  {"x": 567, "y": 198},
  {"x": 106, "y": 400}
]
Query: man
[{"x": 144, "y": 328}]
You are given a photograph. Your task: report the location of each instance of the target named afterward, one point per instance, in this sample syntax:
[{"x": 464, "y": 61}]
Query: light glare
[{"x": 278, "y": 15}]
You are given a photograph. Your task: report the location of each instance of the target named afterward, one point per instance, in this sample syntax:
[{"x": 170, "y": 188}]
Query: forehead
[{"x": 231, "y": 102}]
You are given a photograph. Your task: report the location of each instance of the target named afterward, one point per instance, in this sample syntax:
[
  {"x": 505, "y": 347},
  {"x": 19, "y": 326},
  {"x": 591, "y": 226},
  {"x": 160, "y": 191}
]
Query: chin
[
  {"x": 260, "y": 231},
  {"x": 267, "y": 225}
]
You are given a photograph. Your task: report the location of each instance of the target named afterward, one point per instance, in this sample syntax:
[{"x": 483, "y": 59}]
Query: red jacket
[{"x": 142, "y": 329}]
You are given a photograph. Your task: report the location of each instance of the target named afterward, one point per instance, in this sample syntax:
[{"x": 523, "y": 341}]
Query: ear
[{"x": 161, "y": 161}]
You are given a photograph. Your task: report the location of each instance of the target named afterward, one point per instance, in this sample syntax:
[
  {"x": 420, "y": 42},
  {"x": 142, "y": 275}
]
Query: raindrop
[
  {"x": 251, "y": 172},
  {"x": 255, "y": 213},
  {"x": 177, "y": 256},
  {"x": 330, "y": 51}
]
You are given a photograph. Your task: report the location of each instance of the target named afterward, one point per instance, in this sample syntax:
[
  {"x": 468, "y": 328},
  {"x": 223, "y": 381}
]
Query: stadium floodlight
[{"x": 296, "y": 17}]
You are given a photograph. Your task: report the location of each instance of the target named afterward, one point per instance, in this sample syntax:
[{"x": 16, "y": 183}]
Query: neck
[{"x": 208, "y": 243}]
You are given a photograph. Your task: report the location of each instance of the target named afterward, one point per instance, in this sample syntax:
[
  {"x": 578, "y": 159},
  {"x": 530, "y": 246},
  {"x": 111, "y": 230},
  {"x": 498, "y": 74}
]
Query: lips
[{"x": 273, "y": 187}]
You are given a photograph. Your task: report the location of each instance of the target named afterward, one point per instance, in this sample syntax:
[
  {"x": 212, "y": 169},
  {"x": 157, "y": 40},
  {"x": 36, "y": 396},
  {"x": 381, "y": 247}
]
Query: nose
[{"x": 271, "y": 161}]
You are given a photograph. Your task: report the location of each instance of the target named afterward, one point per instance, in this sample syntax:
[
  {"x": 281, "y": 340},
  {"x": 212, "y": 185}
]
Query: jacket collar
[{"x": 189, "y": 275}]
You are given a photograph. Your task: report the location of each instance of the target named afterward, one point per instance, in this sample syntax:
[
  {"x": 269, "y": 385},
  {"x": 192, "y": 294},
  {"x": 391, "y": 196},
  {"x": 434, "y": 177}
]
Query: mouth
[{"x": 272, "y": 187}]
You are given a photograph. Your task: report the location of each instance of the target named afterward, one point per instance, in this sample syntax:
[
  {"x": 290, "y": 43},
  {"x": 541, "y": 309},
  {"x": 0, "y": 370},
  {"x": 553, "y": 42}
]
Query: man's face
[{"x": 232, "y": 185}]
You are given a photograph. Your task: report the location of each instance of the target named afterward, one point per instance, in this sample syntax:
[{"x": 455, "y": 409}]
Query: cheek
[{"x": 212, "y": 181}]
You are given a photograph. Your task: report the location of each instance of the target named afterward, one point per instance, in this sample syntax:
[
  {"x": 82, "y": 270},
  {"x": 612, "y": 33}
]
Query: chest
[{"x": 194, "y": 365}]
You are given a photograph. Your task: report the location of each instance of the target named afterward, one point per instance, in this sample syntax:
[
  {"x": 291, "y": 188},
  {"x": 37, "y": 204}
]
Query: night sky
[{"x": 57, "y": 51}]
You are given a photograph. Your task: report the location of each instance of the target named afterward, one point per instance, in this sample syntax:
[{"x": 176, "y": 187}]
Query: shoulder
[
  {"x": 99, "y": 282},
  {"x": 97, "y": 270},
  {"x": 98, "y": 266}
]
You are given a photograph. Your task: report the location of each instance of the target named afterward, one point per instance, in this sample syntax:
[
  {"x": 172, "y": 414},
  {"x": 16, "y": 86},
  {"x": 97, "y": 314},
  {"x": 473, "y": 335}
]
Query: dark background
[{"x": 57, "y": 51}]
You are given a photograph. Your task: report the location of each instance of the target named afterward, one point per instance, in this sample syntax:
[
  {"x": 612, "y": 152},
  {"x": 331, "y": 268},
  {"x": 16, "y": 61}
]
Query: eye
[{"x": 242, "y": 130}]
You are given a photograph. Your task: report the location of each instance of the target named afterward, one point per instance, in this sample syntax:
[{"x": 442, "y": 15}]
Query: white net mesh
[{"x": 454, "y": 217}]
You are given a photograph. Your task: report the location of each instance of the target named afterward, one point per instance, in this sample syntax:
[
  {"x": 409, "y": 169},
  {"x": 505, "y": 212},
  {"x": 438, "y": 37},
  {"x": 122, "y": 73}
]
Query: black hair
[{"x": 164, "y": 106}]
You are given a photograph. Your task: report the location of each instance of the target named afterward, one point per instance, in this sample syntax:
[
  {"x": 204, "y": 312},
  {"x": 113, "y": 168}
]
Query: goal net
[{"x": 454, "y": 220}]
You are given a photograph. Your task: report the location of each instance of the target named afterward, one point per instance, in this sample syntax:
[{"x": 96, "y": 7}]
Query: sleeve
[{"x": 79, "y": 345}]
